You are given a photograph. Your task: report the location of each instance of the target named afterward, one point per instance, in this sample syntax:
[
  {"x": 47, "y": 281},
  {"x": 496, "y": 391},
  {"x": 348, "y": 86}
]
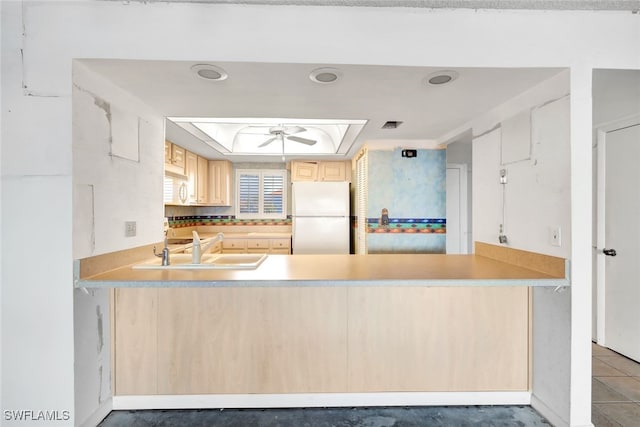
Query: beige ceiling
[{"x": 373, "y": 93}]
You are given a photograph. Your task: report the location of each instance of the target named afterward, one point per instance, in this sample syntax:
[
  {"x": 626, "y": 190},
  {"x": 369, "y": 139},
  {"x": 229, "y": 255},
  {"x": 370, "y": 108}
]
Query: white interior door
[{"x": 619, "y": 297}]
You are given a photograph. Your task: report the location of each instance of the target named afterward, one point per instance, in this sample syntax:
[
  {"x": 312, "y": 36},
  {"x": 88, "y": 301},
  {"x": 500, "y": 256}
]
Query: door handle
[{"x": 609, "y": 252}]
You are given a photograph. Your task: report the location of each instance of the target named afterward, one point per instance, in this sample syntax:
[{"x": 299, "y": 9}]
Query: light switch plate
[
  {"x": 555, "y": 236},
  {"x": 130, "y": 229}
]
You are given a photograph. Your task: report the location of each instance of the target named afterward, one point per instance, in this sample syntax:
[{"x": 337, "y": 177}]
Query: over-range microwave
[{"x": 175, "y": 190}]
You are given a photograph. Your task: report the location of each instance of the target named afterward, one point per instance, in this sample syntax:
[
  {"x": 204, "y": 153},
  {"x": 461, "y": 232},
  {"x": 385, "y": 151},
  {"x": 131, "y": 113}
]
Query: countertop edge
[{"x": 549, "y": 283}]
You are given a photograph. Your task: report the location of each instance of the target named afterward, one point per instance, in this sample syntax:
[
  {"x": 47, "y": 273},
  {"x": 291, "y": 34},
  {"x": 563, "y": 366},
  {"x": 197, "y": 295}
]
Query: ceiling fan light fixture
[
  {"x": 325, "y": 75},
  {"x": 441, "y": 77},
  {"x": 209, "y": 72}
]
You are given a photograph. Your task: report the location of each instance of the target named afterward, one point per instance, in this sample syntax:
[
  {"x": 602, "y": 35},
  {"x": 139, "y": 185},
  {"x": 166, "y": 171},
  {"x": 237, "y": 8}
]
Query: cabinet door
[
  {"x": 280, "y": 246},
  {"x": 191, "y": 170},
  {"x": 234, "y": 246},
  {"x": 220, "y": 179},
  {"x": 167, "y": 152},
  {"x": 304, "y": 171},
  {"x": 258, "y": 245},
  {"x": 135, "y": 345},
  {"x": 332, "y": 171},
  {"x": 202, "y": 181},
  {"x": 178, "y": 156}
]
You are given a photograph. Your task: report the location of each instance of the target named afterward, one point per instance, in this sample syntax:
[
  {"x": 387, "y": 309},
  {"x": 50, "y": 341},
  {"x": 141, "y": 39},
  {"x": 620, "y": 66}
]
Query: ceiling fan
[{"x": 286, "y": 132}]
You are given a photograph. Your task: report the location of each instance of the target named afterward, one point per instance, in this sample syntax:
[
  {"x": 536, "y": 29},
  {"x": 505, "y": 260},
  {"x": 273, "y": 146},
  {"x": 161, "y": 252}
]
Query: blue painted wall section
[{"x": 413, "y": 190}]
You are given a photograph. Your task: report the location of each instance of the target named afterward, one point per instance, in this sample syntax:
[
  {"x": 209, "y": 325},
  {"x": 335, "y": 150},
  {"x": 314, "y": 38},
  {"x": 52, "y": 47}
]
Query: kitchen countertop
[{"x": 338, "y": 270}]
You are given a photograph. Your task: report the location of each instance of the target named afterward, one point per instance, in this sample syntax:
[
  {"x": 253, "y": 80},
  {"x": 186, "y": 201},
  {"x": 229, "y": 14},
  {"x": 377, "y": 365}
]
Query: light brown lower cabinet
[
  {"x": 280, "y": 246},
  {"x": 321, "y": 339}
]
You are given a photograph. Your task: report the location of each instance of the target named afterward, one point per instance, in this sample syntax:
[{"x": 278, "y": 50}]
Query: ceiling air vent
[{"x": 391, "y": 124}]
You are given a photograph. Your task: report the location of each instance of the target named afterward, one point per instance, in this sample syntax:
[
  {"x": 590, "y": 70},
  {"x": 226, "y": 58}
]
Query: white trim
[
  {"x": 600, "y": 234},
  {"x": 99, "y": 414},
  {"x": 619, "y": 123},
  {"x": 548, "y": 413},
  {"x": 300, "y": 400},
  {"x": 464, "y": 206}
]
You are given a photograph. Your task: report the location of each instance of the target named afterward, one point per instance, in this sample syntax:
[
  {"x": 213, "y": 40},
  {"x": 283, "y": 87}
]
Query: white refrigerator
[{"x": 320, "y": 214}]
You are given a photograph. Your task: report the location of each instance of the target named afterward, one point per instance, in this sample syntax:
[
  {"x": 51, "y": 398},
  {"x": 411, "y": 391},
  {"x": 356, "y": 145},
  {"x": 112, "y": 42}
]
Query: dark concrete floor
[{"x": 445, "y": 416}]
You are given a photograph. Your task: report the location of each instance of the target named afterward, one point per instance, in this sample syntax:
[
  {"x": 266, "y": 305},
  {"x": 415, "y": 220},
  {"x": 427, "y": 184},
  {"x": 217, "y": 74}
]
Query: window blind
[
  {"x": 361, "y": 204},
  {"x": 261, "y": 193}
]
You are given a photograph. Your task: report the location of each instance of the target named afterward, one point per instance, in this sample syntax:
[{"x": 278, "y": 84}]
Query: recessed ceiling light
[
  {"x": 209, "y": 72},
  {"x": 441, "y": 77},
  {"x": 325, "y": 75}
]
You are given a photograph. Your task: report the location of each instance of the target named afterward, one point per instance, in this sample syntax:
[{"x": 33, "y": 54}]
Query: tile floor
[
  {"x": 432, "y": 416},
  {"x": 615, "y": 389}
]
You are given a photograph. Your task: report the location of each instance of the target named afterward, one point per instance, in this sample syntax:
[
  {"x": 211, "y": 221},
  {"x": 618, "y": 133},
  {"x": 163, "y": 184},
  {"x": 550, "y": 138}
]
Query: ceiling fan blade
[
  {"x": 267, "y": 142},
  {"x": 302, "y": 140},
  {"x": 290, "y": 130},
  {"x": 254, "y": 130}
]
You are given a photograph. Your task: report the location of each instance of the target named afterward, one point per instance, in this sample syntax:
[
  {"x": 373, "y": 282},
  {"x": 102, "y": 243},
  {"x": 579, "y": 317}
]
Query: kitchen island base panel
[
  {"x": 438, "y": 339},
  {"x": 288, "y": 340},
  {"x": 319, "y": 400},
  {"x": 239, "y": 340},
  {"x": 135, "y": 345}
]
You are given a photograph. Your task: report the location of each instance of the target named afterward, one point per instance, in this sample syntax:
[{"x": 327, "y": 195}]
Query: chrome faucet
[
  {"x": 197, "y": 249},
  {"x": 165, "y": 251}
]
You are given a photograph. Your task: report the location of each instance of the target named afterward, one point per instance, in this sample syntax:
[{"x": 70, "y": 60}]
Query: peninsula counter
[{"x": 325, "y": 330}]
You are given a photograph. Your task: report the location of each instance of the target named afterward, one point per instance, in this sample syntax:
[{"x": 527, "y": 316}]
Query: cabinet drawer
[
  {"x": 280, "y": 243},
  {"x": 234, "y": 244},
  {"x": 280, "y": 251},
  {"x": 258, "y": 244},
  {"x": 258, "y": 251}
]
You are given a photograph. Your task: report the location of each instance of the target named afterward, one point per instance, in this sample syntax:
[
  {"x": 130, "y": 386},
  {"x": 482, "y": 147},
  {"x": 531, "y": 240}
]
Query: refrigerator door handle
[{"x": 293, "y": 233}]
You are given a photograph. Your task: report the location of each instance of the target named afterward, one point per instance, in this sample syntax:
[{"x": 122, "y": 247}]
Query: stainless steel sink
[{"x": 209, "y": 262}]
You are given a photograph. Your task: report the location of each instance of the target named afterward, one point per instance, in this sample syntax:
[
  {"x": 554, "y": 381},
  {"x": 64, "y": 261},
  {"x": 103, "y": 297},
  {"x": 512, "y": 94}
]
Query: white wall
[
  {"x": 37, "y": 312},
  {"x": 118, "y": 167},
  {"x": 536, "y": 195},
  {"x": 535, "y": 198},
  {"x": 40, "y": 40},
  {"x": 616, "y": 95},
  {"x": 461, "y": 152}
]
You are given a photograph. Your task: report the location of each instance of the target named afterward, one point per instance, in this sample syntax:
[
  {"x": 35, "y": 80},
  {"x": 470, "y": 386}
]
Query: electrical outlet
[
  {"x": 129, "y": 228},
  {"x": 555, "y": 236}
]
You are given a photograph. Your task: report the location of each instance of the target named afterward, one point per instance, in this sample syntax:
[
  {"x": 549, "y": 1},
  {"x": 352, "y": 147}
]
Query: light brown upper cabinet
[
  {"x": 202, "y": 181},
  {"x": 320, "y": 171},
  {"x": 197, "y": 171},
  {"x": 174, "y": 158},
  {"x": 220, "y": 181},
  {"x": 304, "y": 171},
  {"x": 209, "y": 182},
  {"x": 191, "y": 170},
  {"x": 167, "y": 152},
  {"x": 333, "y": 171}
]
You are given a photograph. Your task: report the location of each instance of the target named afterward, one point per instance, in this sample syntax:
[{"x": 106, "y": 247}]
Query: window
[{"x": 261, "y": 193}]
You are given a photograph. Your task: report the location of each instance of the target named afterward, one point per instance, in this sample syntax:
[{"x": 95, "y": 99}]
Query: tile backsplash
[
  {"x": 221, "y": 220},
  {"x": 408, "y": 225}
]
